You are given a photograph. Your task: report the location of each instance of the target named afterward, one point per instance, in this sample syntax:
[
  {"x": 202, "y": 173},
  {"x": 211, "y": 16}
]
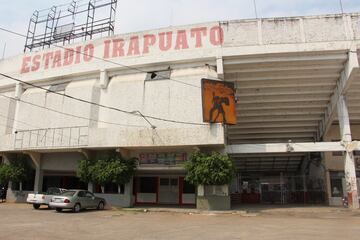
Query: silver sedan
[{"x": 76, "y": 200}]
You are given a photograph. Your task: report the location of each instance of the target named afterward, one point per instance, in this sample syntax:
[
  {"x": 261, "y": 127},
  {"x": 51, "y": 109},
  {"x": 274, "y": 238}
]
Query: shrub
[
  {"x": 110, "y": 167},
  {"x": 209, "y": 169}
]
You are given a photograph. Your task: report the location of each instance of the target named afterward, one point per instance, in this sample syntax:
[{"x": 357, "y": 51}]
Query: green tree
[
  {"x": 84, "y": 170},
  {"x": 100, "y": 173},
  {"x": 209, "y": 169},
  {"x": 109, "y": 167},
  {"x": 18, "y": 171},
  {"x": 121, "y": 169},
  {"x": 4, "y": 174}
]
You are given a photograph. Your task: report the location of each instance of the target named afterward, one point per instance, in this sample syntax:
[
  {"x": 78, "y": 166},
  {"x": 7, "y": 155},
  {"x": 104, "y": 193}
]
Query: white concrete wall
[
  {"x": 42, "y": 118},
  {"x": 7, "y": 110},
  {"x": 119, "y": 200},
  {"x": 163, "y": 98},
  {"x": 61, "y": 161}
]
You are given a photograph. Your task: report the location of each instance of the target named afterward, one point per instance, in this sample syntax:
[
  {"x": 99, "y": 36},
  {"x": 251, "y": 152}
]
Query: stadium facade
[{"x": 297, "y": 83}]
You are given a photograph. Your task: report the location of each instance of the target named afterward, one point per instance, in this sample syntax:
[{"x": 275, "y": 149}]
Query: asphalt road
[{"x": 20, "y": 221}]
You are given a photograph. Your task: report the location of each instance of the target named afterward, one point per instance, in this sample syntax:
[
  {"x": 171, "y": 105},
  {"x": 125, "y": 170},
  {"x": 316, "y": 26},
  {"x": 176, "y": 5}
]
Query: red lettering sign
[{"x": 119, "y": 47}]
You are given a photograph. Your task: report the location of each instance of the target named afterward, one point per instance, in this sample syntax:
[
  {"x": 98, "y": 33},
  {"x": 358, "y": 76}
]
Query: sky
[{"x": 138, "y": 15}]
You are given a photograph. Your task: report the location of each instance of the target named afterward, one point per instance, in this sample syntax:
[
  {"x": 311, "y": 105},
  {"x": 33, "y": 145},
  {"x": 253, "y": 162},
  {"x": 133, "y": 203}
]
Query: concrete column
[
  {"x": 38, "y": 183},
  {"x": 104, "y": 79},
  {"x": 19, "y": 90},
  {"x": 220, "y": 68},
  {"x": 90, "y": 187},
  {"x": 350, "y": 173}
]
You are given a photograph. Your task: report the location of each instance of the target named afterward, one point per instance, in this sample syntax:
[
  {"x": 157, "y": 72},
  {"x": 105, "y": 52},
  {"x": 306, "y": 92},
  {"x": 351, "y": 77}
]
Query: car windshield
[{"x": 68, "y": 193}]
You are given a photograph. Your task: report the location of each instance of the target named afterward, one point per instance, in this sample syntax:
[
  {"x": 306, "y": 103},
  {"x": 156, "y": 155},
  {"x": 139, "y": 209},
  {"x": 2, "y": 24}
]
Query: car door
[
  {"x": 83, "y": 199},
  {"x": 91, "y": 199}
]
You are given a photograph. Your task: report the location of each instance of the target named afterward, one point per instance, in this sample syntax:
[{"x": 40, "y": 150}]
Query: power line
[
  {"x": 134, "y": 113},
  {"x": 137, "y": 113},
  {"x": 71, "y": 115},
  {"x": 106, "y": 60}
]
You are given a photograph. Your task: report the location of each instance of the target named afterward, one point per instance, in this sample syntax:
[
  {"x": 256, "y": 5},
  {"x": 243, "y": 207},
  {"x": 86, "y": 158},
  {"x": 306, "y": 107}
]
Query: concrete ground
[{"x": 20, "y": 221}]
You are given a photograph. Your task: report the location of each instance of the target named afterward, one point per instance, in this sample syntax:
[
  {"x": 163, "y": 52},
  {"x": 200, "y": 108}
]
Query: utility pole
[
  {"x": 341, "y": 7},
  {"x": 255, "y": 9}
]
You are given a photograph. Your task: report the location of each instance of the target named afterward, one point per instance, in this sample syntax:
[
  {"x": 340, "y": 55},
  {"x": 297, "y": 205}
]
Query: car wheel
[
  {"x": 100, "y": 206},
  {"x": 77, "y": 208},
  {"x": 36, "y": 206},
  {"x": 58, "y": 209}
]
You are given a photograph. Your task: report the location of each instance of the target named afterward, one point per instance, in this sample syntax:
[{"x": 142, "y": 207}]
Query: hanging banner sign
[{"x": 218, "y": 101}]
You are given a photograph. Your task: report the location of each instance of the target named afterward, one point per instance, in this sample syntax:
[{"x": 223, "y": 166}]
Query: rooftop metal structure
[{"x": 65, "y": 23}]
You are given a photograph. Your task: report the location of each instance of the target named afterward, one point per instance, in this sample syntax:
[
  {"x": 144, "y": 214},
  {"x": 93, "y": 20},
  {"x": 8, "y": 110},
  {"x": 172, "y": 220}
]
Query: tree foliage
[
  {"x": 16, "y": 171},
  {"x": 110, "y": 167},
  {"x": 209, "y": 169},
  {"x": 4, "y": 174},
  {"x": 84, "y": 171}
]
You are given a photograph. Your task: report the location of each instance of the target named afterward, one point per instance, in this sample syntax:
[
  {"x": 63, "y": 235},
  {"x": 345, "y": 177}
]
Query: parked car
[
  {"x": 76, "y": 200},
  {"x": 38, "y": 199}
]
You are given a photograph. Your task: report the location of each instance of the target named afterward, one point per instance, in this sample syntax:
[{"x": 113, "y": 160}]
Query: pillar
[
  {"x": 19, "y": 90},
  {"x": 350, "y": 173},
  {"x": 38, "y": 183}
]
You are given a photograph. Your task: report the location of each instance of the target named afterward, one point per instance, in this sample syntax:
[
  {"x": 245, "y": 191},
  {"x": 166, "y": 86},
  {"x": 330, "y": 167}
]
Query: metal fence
[
  {"x": 63, "y": 137},
  {"x": 280, "y": 190}
]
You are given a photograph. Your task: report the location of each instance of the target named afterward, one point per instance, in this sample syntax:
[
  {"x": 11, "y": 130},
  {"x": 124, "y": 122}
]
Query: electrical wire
[
  {"x": 108, "y": 61},
  {"x": 71, "y": 115},
  {"x": 134, "y": 113}
]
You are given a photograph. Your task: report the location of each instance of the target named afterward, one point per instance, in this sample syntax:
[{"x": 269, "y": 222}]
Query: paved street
[{"x": 20, "y": 221}]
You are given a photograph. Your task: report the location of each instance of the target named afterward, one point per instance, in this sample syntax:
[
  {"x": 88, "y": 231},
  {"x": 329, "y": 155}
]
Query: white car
[{"x": 37, "y": 199}]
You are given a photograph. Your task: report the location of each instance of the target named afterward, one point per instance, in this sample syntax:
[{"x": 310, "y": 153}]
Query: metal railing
[{"x": 63, "y": 137}]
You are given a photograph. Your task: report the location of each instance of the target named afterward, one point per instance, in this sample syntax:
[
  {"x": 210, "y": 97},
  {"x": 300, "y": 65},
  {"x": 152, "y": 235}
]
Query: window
[
  {"x": 68, "y": 193},
  {"x": 148, "y": 185},
  {"x": 60, "y": 87},
  {"x": 164, "y": 181},
  {"x": 174, "y": 182},
  {"x": 356, "y": 153},
  {"x": 188, "y": 187},
  {"x": 89, "y": 195},
  {"x": 81, "y": 194},
  {"x": 158, "y": 75},
  {"x": 114, "y": 188},
  {"x": 111, "y": 188},
  {"x": 336, "y": 183}
]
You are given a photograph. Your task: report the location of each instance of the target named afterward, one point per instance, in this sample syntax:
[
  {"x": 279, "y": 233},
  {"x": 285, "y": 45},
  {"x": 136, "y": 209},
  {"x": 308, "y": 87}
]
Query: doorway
[{"x": 169, "y": 190}]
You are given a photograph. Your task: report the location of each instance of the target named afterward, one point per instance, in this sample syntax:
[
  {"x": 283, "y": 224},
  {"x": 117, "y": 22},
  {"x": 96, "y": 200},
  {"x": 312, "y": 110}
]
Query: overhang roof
[{"x": 282, "y": 97}]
